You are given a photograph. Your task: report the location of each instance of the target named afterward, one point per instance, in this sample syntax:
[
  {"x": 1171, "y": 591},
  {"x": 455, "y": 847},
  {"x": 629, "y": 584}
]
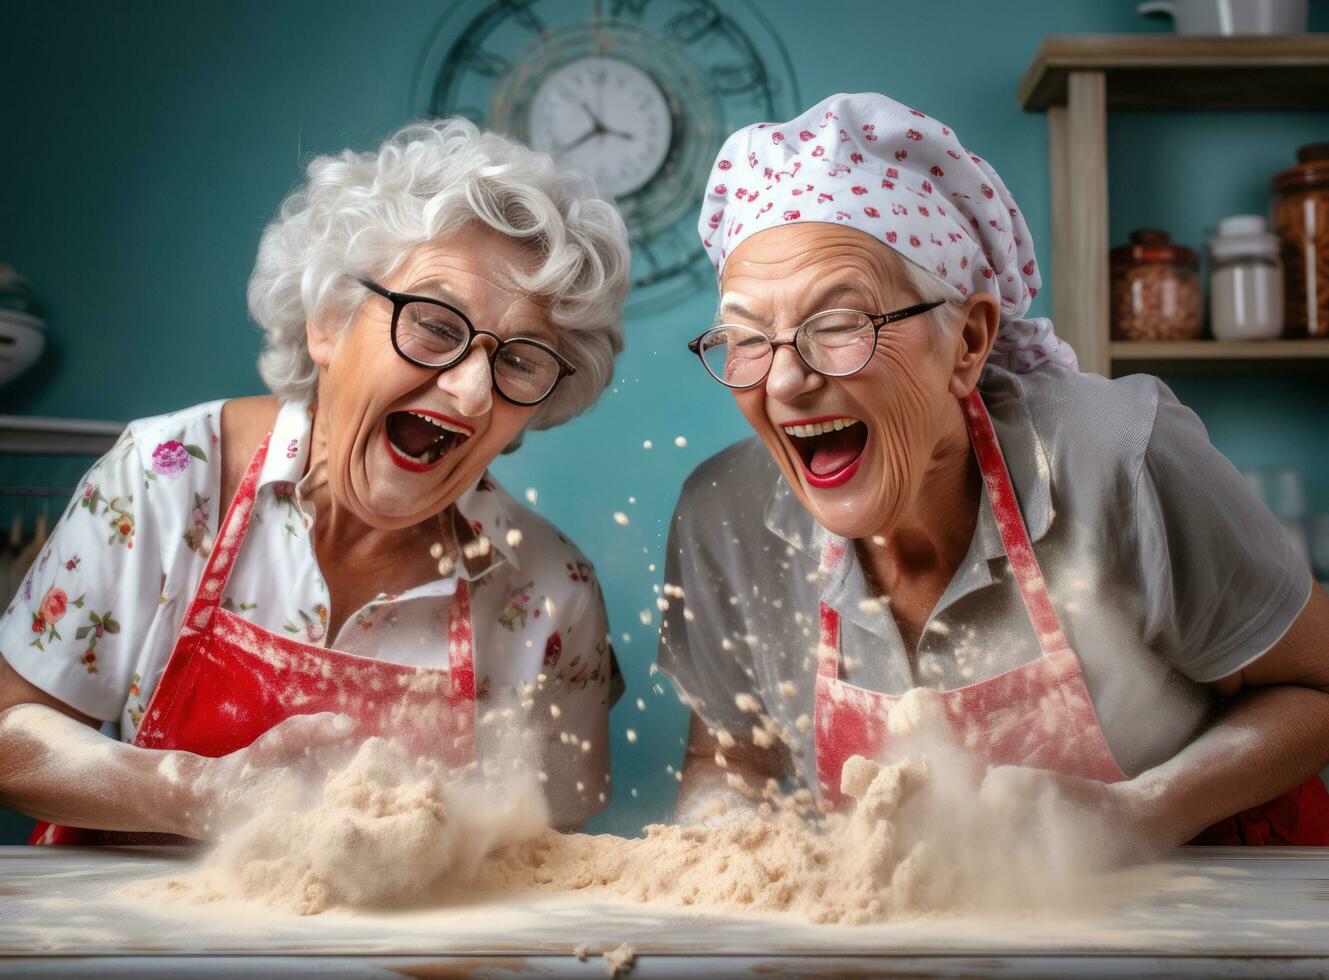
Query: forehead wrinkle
[
  {"x": 859, "y": 288},
  {"x": 438, "y": 287},
  {"x": 801, "y": 260}
]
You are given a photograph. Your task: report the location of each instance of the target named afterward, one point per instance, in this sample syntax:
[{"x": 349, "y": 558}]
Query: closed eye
[{"x": 514, "y": 361}]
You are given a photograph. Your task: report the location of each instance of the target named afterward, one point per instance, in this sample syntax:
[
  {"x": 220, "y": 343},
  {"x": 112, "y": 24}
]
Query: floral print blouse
[{"x": 96, "y": 617}]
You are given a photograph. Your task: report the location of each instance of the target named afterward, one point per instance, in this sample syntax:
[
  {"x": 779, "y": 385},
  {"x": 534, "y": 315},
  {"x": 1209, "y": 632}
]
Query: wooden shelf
[
  {"x": 1165, "y": 72},
  {"x": 1168, "y": 350},
  {"x": 57, "y": 437},
  {"x": 1220, "y": 357},
  {"x": 1078, "y": 81}
]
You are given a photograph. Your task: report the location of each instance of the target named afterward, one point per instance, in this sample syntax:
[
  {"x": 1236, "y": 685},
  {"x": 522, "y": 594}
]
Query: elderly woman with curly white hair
[{"x": 239, "y": 581}]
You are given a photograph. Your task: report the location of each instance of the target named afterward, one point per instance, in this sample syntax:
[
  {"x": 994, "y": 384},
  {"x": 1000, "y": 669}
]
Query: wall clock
[{"x": 638, "y": 94}]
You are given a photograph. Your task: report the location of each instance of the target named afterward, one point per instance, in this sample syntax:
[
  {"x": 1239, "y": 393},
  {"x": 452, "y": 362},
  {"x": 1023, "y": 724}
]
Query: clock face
[
  {"x": 636, "y": 94},
  {"x": 604, "y": 117}
]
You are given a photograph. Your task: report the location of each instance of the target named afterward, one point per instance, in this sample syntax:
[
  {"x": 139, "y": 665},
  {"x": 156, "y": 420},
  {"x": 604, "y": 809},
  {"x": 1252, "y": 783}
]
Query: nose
[
  {"x": 790, "y": 378},
  {"x": 469, "y": 382}
]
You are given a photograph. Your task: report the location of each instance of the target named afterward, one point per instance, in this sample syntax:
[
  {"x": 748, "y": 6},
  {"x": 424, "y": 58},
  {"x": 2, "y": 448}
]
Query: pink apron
[
  {"x": 1039, "y": 714},
  {"x": 229, "y": 681}
]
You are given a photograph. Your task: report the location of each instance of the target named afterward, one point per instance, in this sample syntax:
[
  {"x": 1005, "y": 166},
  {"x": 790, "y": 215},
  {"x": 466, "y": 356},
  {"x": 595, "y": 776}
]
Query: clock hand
[
  {"x": 589, "y": 134},
  {"x": 595, "y": 120},
  {"x": 602, "y": 128}
]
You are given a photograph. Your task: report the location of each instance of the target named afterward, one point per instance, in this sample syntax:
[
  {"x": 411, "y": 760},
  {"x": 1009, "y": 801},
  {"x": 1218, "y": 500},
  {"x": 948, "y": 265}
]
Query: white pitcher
[{"x": 1227, "y": 17}]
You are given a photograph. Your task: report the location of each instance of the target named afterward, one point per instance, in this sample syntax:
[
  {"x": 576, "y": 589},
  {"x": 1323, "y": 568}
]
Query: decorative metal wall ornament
[{"x": 638, "y": 94}]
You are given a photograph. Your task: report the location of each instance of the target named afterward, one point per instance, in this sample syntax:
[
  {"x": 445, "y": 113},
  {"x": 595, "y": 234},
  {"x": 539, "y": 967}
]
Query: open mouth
[
  {"x": 830, "y": 448},
  {"x": 417, "y": 440}
]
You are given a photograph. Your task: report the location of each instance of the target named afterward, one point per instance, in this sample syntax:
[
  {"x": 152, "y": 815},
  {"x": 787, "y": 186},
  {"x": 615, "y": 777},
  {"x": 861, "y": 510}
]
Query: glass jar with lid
[
  {"x": 1301, "y": 221},
  {"x": 1245, "y": 280},
  {"x": 1155, "y": 289}
]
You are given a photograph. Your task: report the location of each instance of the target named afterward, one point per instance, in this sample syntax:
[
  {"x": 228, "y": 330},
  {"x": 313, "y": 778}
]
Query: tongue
[
  {"x": 836, "y": 450},
  {"x": 412, "y": 434}
]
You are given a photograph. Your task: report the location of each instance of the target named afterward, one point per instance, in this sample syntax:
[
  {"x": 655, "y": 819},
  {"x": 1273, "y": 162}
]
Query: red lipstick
[{"x": 831, "y": 479}]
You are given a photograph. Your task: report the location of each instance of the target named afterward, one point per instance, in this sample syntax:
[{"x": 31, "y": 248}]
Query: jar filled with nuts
[
  {"x": 1155, "y": 290},
  {"x": 1301, "y": 220}
]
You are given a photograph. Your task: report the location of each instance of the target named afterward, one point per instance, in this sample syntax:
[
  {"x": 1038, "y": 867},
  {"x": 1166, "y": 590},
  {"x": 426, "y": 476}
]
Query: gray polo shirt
[{"x": 1165, "y": 568}]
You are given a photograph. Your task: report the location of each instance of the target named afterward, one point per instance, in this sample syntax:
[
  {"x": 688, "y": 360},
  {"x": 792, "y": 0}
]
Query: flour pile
[
  {"x": 385, "y": 829},
  {"x": 929, "y": 833}
]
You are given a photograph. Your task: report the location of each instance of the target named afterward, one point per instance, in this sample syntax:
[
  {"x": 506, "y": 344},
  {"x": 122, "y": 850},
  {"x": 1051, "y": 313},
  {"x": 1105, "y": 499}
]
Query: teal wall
[{"x": 147, "y": 144}]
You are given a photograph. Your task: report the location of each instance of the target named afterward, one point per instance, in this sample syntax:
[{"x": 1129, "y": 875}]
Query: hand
[
  {"x": 277, "y": 771},
  {"x": 1072, "y": 821}
]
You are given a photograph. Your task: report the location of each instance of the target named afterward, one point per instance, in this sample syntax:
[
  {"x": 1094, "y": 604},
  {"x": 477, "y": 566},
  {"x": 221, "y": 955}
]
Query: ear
[
  {"x": 321, "y": 344},
  {"x": 973, "y": 342}
]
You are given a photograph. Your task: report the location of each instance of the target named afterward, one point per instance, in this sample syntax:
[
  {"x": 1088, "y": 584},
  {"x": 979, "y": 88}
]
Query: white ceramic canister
[{"x": 1245, "y": 280}]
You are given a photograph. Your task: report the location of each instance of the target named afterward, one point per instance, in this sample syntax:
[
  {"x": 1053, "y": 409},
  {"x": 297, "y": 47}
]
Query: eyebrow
[{"x": 439, "y": 289}]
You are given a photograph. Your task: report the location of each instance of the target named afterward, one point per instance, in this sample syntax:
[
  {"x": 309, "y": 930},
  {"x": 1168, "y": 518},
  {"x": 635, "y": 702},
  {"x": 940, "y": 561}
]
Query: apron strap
[
  {"x": 461, "y": 670},
  {"x": 230, "y": 535},
  {"x": 828, "y": 648},
  {"x": 1011, "y": 526},
  {"x": 461, "y": 654}
]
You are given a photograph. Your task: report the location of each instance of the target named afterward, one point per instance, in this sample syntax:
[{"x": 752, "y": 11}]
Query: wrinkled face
[
  {"x": 405, "y": 441},
  {"x": 854, "y": 449}
]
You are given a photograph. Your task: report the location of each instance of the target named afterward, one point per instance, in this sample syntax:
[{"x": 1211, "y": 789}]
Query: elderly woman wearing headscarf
[
  {"x": 938, "y": 499},
  {"x": 338, "y": 546}
]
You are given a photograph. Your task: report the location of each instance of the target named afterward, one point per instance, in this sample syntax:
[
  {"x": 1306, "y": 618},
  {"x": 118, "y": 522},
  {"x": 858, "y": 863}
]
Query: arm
[
  {"x": 1273, "y": 735},
  {"x": 55, "y": 766},
  {"x": 71, "y": 642},
  {"x": 1224, "y": 601},
  {"x": 696, "y": 652},
  {"x": 728, "y": 773}
]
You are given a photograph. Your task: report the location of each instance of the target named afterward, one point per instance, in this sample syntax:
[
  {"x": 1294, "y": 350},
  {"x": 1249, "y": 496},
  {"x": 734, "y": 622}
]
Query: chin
[
  {"x": 842, "y": 511},
  {"x": 849, "y": 521}
]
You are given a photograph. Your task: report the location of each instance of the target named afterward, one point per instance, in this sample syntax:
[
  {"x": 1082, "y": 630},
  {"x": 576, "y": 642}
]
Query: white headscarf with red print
[{"x": 871, "y": 163}]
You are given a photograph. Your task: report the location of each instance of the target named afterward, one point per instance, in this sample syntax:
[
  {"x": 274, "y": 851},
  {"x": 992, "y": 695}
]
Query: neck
[
  {"x": 933, "y": 536},
  {"x": 337, "y": 529}
]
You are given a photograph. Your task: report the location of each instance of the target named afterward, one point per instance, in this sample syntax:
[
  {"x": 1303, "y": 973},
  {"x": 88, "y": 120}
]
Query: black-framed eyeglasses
[
  {"x": 433, "y": 334},
  {"x": 835, "y": 343}
]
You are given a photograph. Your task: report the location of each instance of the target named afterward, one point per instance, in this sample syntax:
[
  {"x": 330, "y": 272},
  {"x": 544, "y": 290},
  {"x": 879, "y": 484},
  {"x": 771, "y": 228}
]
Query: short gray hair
[{"x": 359, "y": 214}]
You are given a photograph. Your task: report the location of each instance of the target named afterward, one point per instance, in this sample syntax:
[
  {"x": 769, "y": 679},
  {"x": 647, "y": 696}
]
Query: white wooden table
[{"x": 1208, "y": 912}]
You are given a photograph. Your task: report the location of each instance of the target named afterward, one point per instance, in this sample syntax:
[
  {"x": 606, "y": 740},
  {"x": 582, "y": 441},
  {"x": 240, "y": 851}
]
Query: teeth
[
  {"x": 425, "y": 457},
  {"x": 819, "y": 428},
  {"x": 433, "y": 452},
  {"x": 439, "y": 423}
]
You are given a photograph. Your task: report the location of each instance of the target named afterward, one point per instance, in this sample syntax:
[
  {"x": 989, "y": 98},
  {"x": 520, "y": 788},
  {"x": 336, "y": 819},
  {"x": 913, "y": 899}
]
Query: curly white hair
[{"x": 359, "y": 214}]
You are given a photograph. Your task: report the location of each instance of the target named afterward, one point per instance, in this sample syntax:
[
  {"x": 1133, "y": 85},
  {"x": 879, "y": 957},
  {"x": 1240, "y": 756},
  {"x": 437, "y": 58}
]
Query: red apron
[
  {"x": 229, "y": 681},
  {"x": 1038, "y": 715}
]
